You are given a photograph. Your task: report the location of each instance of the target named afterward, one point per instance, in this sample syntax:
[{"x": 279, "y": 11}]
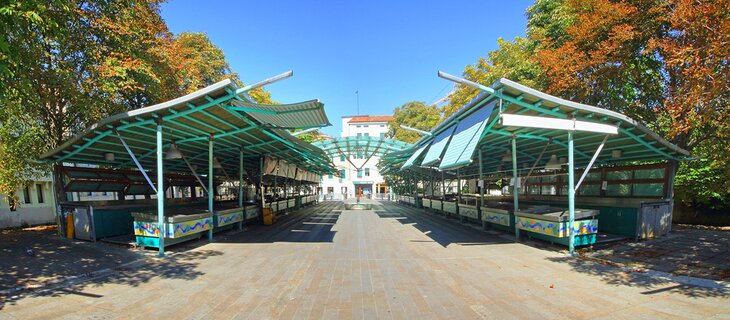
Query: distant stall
[
  {"x": 531, "y": 163},
  {"x": 198, "y": 146}
]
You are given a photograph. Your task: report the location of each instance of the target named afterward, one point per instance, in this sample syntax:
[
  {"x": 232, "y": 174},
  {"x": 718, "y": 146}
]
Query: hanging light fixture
[
  {"x": 617, "y": 154},
  {"x": 216, "y": 164},
  {"x": 553, "y": 163},
  {"x": 507, "y": 156},
  {"x": 173, "y": 152}
]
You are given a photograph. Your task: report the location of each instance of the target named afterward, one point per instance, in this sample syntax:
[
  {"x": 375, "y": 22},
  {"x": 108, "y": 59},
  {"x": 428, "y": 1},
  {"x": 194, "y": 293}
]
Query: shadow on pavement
[
  {"x": 637, "y": 278},
  {"x": 181, "y": 265},
  {"x": 442, "y": 231}
]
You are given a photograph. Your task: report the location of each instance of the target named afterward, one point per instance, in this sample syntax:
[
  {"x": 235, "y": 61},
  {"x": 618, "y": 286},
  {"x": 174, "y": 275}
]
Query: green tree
[
  {"x": 512, "y": 60},
  {"x": 414, "y": 114}
]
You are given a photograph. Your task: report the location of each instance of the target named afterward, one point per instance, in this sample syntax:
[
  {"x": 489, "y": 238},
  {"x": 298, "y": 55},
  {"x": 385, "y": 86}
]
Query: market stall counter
[{"x": 552, "y": 224}]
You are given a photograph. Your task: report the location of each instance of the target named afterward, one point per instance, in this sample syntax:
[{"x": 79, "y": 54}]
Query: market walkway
[{"x": 391, "y": 262}]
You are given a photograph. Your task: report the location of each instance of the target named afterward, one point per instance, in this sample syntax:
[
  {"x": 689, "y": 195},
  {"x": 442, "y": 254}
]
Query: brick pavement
[{"x": 393, "y": 262}]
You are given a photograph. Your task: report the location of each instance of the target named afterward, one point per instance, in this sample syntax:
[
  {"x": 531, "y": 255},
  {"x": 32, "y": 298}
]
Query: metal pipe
[
  {"x": 211, "y": 190},
  {"x": 590, "y": 164},
  {"x": 240, "y": 187},
  {"x": 136, "y": 162},
  {"x": 160, "y": 194},
  {"x": 515, "y": 183},
  {"x": 571, "y": 194},
  {"x": 465, "y": 82},
  {"x": 265, "y": 82}
]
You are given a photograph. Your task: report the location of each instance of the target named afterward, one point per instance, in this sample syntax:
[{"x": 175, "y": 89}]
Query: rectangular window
[
  {"x": 342, "y": 174},
  {"x": 382, "y": 126},
  {"x": 359, "y": 173},
  {"x": 342, "y": 158},
  {"x": 382, "y": 135},
  {"x": 367, "y": 134},
  {"x": 366, "y": 126},
  {"x": 26, "y": 195},
  {"x": 359, "y": 134},
  {"x": 367, "y": 172},
  {"x": 39, "y": 192},
  {"x": 358, "y": 126},
  {"x": 330, "y": 176}
]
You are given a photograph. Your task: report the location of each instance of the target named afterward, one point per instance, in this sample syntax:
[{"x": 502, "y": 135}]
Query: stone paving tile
[
  {"x": 687, "y": 251},
  {"x": 393, "y": 262}
]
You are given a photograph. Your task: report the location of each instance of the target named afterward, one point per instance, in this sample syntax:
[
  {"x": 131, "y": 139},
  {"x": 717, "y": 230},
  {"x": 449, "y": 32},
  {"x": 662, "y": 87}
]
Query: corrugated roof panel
[
  {"x": 303, "y": 115},
  {"x": 413, "y": 157},
  {"x": 466, "y": 137},
  {"x": 437, "y": 147}
]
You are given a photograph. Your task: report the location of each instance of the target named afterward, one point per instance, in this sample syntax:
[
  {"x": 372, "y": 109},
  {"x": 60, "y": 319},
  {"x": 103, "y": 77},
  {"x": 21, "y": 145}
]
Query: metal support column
[
  {"x": 443, "y": 191},
  {"x": 481, "y": 190},
  {"x": 571, "y": 194},
  {"x": 262, "y": 200},
  {"x": 458, "y": 196},
  {"x": 240, "y": 188},
  {"x": 515, "y": 183},
  {"x": 160, "y": 193},
  {"x": 211, "y": 190}
]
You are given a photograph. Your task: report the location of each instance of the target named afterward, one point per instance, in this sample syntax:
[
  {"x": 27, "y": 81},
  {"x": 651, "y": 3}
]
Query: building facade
[
  {"x": 358, "y": 175},
  {"x": 33, "y": 204}
]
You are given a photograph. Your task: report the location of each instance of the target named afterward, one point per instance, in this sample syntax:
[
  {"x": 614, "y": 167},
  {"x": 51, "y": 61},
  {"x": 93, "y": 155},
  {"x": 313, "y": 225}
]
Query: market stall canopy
[
  {"x": 539, "y": 122},
  {"x": 362, "y": 145},
  {"x": 304, "y": 115},
  {"x": 189, "y": 122}
]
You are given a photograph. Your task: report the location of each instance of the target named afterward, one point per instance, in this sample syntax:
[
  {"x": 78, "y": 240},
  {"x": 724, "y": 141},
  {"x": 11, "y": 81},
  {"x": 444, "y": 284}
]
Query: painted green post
[
  {"x": 160, "y": 193},
  {"x": 458, "y": 196},
  {"x": 261, "y": 186},
  {"x": 211, "y": 191},
  {"x": 240, "y": 187},
  {"x": 515, "y": 187},
  {"x": 571, "y": 193},
  {"x": 481, "y": 190},
  {"x": 443, "y": 191}
]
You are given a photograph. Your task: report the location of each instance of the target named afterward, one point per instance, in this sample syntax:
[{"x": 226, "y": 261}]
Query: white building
[
  {"x": 351, "y": 182},
  {"x": 35, "y": 205}
]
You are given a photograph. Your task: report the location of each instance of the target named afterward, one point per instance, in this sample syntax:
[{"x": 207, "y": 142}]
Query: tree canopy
[
  {"x": 66, "y": 64},
  {"x": 662, "y": 62},
  {"x": 414, "y": 114}
]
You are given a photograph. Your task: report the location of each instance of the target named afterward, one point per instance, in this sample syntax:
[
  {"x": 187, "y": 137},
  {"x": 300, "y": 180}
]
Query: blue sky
[{"x": 388, "y": 51}]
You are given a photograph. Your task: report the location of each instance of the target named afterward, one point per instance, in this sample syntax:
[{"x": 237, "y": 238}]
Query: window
[
  {"x": 382, "y": 126},
  {"x": 26, "y": 195},
  {"x": 359, "y": 173},
  {"x": 382, "y": 135},
  {"x": 367, "y": 172},
  {"x": 342, "y": 174},
  {"x": 366, "y": 126},
  {"x": 359, "y": 134},
  {"x": 330, "y": 176},
  {"x": 39, "y": 192},
  {"x": 367, "y": 134},
  {"x": 342, "y": 158},
  {"x": 358, "y": 126}
]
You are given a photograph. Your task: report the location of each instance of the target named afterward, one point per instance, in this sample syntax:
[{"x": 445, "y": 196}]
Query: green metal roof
[
  {"x": 190, "y": 121},
  {"x": 304, "y": 115},
  {"x": 360, "y": 145},
  {"x": 636, "y": 142},
  {"x": 412, "y": 159},
  {"x": 466, "y": 137},
  {"x": 438, "y": 144}
]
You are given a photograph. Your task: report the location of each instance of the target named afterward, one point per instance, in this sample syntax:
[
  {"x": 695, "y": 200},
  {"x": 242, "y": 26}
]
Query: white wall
[{"x": 33, "y": 212}]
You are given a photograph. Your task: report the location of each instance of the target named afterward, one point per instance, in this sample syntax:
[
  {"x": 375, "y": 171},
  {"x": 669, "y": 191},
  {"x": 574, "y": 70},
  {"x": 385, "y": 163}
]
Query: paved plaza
[{"x": 392, "y": 262}]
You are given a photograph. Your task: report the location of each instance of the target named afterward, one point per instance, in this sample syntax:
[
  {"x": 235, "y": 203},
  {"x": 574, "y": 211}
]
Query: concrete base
[{"x": 358, "y": 206}]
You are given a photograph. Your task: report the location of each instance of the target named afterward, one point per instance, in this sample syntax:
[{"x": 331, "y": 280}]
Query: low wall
[{"x": 25, "y": 217}]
